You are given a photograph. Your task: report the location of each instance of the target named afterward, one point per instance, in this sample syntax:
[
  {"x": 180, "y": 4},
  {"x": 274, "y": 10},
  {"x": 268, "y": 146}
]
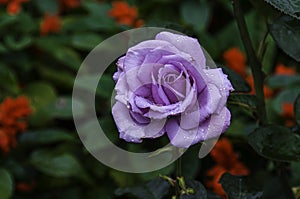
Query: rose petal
[
  {"x": 121, "y": 89},
  {"x": 183, "y": 64},
  {"x": 214, "y": 126},
  {"x": 139, "y": 118},
  {"x": 211, "y": 100},
  {"x": 190, "y": 120},
  {"x": 132, "y": 132},
  {"x": 216, "y": 78},
  {"x": 119, "y": 69},
  {"x": 146, "y": 71},
  {"x": 179, "y": 137},
  {"x": 186, "y": 44}
]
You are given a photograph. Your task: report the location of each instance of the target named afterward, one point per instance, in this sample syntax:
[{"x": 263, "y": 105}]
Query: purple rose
[{"x": 164, "y": 86}]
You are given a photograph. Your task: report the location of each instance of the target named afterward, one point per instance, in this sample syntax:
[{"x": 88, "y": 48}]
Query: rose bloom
[{"x": 164, "y": 86}]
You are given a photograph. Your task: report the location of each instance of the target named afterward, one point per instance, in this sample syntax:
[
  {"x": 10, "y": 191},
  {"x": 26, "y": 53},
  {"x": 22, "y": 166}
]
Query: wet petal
[
  {"x": 179, "y": 137},
  {"x": 216, "y": 78},
  {"x": 129, "y": 130},
  {"x": 186, "y": 44}
]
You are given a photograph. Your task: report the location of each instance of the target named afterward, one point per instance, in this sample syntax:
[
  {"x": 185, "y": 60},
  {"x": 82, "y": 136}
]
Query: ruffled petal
[
  {"x": 214, "y": 126},
  {"x": 186, "y": 44},
  {"x": 130, "y": 130},
  {"x": 216, "y": 78},
  {"x": 179, "y": 137}
]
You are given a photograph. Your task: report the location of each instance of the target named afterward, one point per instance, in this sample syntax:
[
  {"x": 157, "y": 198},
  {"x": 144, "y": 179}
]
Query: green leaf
[
  {"x": 98, "y": 18},
  {"x": 6, "y": 184},
  {"x": 235, "y": 187},
  {"x": 297, "y": 110},
  {"x": 196, "y": 14},
  {"x": 276, "y": 142},
  {"x": 7, "y": 20},
  {"x": 286, "y": 32},
  {"x": 86, "y": 41},
  {"x": 8, "y": 79},
  {"x": 281, "y": 81},
  {"x": 290, "y": 7},
  {"x": 155, "y": 189},
  {"x": 246, "y": 101},
  {"x": 47, "y": 6},
  {"x": 3, "y": 48},
  {"x": 287, "y": 95},
  {"x": 68, "y": 57},
  {"x": 74, "y": 23},
  {"x": 40, "y": 93},
  {"x": 200, "y": 191},
  {"x": 269, "y": 55},
  {"x": 62, "y": 107},
  {"x": 63, "y": 79},
  {"x": 55, "y": 164},
  {"x": 56, "y": 48},
  {"x": 238, "y": 83},
  {"x": 17, "y": 43},
  {"x": 45, "y": 136}
]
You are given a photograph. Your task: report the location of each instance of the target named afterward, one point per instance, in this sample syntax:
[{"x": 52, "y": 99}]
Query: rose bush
[{"x": 165, "y": 86}]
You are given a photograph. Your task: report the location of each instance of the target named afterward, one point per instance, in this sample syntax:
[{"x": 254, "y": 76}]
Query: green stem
[
  {"x": 262, "y": 47},
  {"x": 254, "y": 63}
]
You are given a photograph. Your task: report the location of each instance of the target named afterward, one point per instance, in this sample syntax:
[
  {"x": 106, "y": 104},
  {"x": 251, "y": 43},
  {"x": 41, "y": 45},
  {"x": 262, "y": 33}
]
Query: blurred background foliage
[{"x": 42, "y": 45}]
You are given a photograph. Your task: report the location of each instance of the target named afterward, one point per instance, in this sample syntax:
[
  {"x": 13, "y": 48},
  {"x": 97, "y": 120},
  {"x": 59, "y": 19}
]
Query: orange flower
[
  {"x": 267, "y": 91},
  {"x": 227, "y": 161},
  {"x": 215, "y": 174},
  {"x": 12, "y": 115},
  {"x": 236, "y": 60},
  {"x": 70, "y": 3},
  {"x": 13, "y": 6},
  {"x": 50, "y": 24},
  {"x": 288, "y": 113},
  {"x": 125, "y": 14},
  {"x": 283, "y": 70}
]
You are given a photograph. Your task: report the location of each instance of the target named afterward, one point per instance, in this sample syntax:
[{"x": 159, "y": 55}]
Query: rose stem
[
  {"x": 258, "y": 82},
  {"x": 254, "y": 63}
]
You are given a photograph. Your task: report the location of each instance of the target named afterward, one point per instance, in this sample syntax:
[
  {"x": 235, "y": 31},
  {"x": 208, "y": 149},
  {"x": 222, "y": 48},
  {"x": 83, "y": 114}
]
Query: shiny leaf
[
  {"x": 286, "y": 32},
  {"x": 276, "y": 142},
  {"x": 290, "y": 7},
  {"x": 236, "y": 187},
  {"x": 155, "y": 189}
]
